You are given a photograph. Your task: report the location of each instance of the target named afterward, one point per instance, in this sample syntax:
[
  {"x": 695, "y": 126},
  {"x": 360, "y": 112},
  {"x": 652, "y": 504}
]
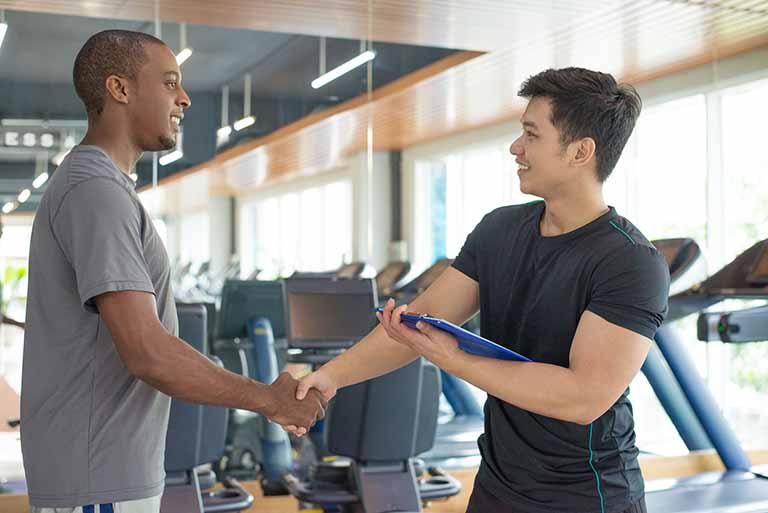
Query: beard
[{"x": 166, "y": 142}]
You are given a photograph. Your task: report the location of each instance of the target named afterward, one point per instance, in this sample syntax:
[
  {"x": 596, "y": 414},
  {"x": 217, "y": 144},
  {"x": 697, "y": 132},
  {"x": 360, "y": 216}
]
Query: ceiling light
[
  {"x": 9, "y": 207},
  {"x": 247, "y": 120},
  {"x": 185, "y": 52},
  {"x": 183, "y": 55},
  {"x": 344, "y": 68},
  {"x": 244, "y": 123},
  {"x": 40, "y": 180},
  {"x": 224, "y": 131},
  {"x": 171, "y": 157},
  {"x": 24, "y": 195}
]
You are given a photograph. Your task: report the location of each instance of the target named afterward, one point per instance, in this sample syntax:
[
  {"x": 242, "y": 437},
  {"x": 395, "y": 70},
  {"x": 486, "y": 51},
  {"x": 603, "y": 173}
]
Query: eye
[
  {"x": 529, "y": 134},
  {"x": 172, "y": 84}
]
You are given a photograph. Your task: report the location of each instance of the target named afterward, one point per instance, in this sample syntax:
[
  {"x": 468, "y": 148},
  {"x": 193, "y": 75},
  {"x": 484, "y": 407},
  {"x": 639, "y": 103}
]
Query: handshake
[{"x": 297, "y": 405}]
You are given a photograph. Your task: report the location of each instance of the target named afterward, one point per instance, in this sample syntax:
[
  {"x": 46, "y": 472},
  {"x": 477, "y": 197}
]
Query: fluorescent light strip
[
  {"x": 9, "y": 207},
  {"x": 344, "y": 68},
  {"x": 183, "y": 55},
  {"x": 40, "y": 180},
  {"x": 3, "y": 30},
  {"x": 244, "y": 123},
  {"x": 170, "y": 157},
  {"x": 224, "y": 131},
  {"x": 24, "y": 195}
]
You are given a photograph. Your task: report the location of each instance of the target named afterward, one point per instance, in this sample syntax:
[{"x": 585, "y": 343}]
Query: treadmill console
[{"x": 750, "y": 325}]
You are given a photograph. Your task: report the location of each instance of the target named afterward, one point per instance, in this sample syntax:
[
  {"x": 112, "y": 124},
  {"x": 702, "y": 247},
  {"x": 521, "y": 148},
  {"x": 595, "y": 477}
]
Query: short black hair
[
  {"x": 110, "y": 52},
  {"x": 588, "y": 103}
]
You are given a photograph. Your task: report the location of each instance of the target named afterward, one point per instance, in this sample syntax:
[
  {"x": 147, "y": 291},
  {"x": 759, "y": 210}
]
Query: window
[
  {"x": 194, "y": 238},
  {"x": 744, "y": 222},
  {"x": 305, "y": 230},
  {"x": 671, "y": 170},
  {"x": 455, "y": 191}
]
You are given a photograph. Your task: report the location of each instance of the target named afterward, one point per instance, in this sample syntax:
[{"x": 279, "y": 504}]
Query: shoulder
[
  {"x": 627, "y": 252},
  {"x": 88, "y": 164},
  {"x": 513, "y": 214}
]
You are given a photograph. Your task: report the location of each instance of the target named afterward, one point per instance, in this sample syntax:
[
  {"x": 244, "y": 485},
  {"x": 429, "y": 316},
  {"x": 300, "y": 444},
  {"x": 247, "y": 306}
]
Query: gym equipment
[
  {"x": 389, "y": 276},
  {"x": 196, "y": 437},
  {"x": 740, "y": 488},
  {"x": 381, "y": 425},
  {"x": 326, "y": 316},
  {"x": 252, "y": 317},
  {"x": 413, "y": 288}
]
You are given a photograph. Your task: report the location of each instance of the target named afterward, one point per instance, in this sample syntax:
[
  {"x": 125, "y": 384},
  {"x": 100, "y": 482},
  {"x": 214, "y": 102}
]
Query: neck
[
  {"x": 571, "y": 210},
  {"x": 116, "y": 143}
]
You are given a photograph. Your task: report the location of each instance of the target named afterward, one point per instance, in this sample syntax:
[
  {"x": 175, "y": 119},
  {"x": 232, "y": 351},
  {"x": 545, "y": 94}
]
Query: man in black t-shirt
[{"x": 565, "y": 281}]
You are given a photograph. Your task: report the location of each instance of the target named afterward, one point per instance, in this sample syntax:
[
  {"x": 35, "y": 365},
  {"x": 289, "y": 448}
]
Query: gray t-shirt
[{"x": 91, "y": 432}]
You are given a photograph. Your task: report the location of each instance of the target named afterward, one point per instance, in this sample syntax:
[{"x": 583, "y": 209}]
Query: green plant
[{"x": 12, "y": 278}]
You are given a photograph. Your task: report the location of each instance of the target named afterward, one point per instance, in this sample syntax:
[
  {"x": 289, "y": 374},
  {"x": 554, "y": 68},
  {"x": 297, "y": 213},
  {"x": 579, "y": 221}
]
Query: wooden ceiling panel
[
  {"x": 464, "y": 24},
  {"x": 635, "y": 40}
]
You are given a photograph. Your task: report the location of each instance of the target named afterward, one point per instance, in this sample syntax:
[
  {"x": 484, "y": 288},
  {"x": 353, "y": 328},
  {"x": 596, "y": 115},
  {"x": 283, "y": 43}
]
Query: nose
[
  {"x": 183, "y": 100},
  {"x": 516, "y": 148}
]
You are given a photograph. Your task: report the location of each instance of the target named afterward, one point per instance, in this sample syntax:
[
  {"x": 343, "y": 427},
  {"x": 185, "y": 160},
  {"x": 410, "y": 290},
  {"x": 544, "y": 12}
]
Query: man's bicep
[
  {"x": 132, "y": 320},
  {"x": 606, "y": 357},
  {"x": 454, "y": 296}
]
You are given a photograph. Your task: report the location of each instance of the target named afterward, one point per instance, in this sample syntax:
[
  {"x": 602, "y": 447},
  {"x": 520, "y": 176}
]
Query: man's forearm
[
  {"x": 541, "y": 388},
  {"x": 373, "y": 356},
  {"x": 178, "y": 370}
]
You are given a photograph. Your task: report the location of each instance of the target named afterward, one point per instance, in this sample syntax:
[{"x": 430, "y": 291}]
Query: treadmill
[{"x": 686, "y": 398}]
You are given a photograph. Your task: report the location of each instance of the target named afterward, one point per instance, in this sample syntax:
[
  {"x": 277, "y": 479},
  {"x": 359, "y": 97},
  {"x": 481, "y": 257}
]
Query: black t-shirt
[{"x": 533, "y": 291}]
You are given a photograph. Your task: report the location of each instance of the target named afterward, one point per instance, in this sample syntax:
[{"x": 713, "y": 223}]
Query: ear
[
  {"x": 118, "y": 88},
  {"x": 582, "y": 152}
]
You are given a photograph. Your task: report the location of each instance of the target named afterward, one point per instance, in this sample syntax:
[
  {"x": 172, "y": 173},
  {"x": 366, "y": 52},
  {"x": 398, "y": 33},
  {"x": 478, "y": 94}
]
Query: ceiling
[
  {"x": 36, "y": 81},
  {"x": 281, "y": 64},
  {"x": 636, "y": 40},
  {"x": 467, "y": 24}
]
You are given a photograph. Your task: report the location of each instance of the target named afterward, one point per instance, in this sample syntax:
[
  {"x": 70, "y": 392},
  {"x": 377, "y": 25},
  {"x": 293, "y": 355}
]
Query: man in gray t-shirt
[{"x": 101, "y": 356}]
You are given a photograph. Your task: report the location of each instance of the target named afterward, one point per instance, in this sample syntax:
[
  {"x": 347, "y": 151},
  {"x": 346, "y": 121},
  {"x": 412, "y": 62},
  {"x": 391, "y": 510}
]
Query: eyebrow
[{"x": 530, "y": 124}]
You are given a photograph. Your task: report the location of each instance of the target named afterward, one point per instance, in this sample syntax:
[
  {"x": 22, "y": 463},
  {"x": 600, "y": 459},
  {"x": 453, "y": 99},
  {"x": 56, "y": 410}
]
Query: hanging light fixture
[
  {"x": 222, "y": 134},
  {"x": 185, "y": 52},
  {"x": 247, "y": 120},
  {"x": 326, "y": 77},
  {"x": 3, "y": 26}
]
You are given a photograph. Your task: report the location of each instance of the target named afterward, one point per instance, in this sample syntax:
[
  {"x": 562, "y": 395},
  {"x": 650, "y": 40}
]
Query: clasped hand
[{"x": 285, "y": 409}]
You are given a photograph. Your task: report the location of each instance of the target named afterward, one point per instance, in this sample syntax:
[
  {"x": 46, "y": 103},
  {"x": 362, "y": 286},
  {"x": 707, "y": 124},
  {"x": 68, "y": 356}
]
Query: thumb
[{"x": 302, "y": 389}]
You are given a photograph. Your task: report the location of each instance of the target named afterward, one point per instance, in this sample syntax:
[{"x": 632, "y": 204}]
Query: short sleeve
[
  {"x": 631, "y": 290},
  {"x": 99, "y": 228},
  {"x": 466, "y": 261}
]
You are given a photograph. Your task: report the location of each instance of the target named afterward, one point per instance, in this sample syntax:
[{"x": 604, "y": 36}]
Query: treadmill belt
[{"x": 733, "y": 492}]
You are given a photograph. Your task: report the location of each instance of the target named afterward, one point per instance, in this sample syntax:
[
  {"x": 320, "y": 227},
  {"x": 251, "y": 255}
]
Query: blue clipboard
[{"x": 468, "y": 341}]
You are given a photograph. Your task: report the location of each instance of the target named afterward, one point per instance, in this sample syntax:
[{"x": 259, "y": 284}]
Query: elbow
[
  {"x": 588, "y": 414},
  {"x": 139, "y": 366},
  {"x": 141, "y": 363}
]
